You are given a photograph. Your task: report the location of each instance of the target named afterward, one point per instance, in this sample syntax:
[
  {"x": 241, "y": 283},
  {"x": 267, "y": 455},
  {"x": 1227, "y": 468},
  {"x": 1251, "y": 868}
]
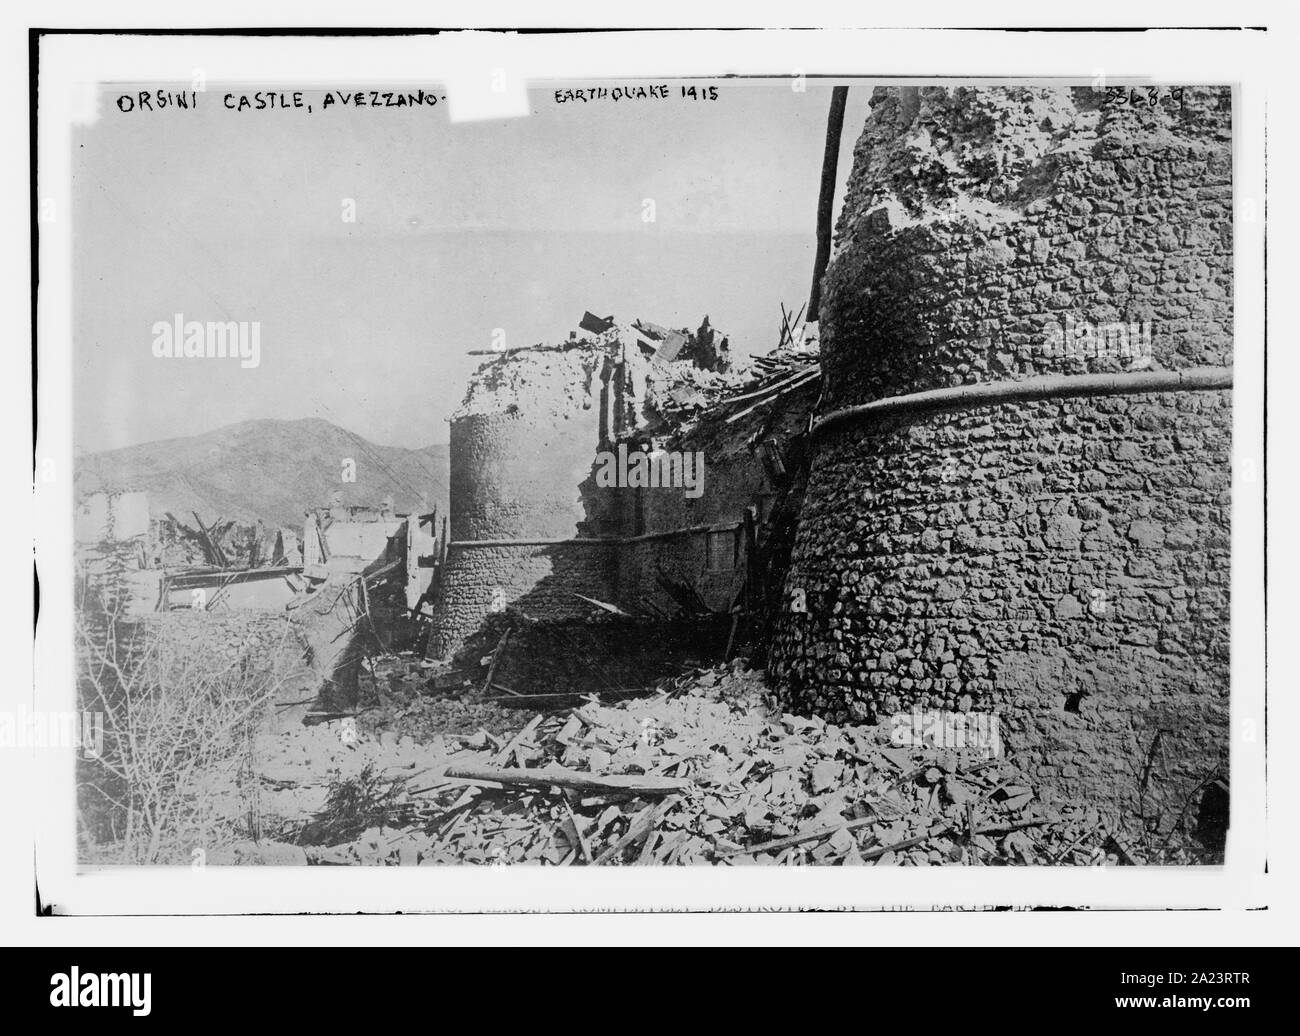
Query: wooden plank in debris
[
  {"x": 780, "y": 383},
  {"x": 575, "y": 780},
  {"x": 805, "y": 379},
  {"x": 515, "y": 698},
  {"x": 208, "y": 538},
  {"x": 503, "y": 756},
  {"x": 849, "y": 825},
  {"x": 685, "y": 595},
  {"x": 642, "y": 826},
  {"x": 647, "y": 847},
  {"x": 948, "y": 829},
  {"x": 579, "y": 828},
  {"x": 808, "y": 836},
  {"x": 652, "y": 609},
  {"x": 380, "y": 573},
  {"x": 613, "y": 609},
  {"x": 218, "y": 577},
  {"x": 496, "y": 657}
]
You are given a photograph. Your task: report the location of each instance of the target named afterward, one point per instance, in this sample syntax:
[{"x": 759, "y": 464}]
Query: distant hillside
[{"x": 271, "y": 469}]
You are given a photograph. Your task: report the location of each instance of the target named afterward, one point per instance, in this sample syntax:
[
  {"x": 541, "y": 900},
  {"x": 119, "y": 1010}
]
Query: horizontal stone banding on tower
[
  {"x": 1003, "y": 557},
  {"x": 1063, "y": 386},
  {"x": 607, "y": 541}
]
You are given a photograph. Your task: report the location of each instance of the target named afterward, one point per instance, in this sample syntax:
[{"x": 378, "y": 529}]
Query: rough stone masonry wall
[
  {"x": 225, "y": 637},
  {"x": 598, "y": 653},
  {"x": 521, "y": 454},
  {"x": 1063, "y": 562},
  {"x": 734, "y": 479},
  {"x": 539, "y": 581}
]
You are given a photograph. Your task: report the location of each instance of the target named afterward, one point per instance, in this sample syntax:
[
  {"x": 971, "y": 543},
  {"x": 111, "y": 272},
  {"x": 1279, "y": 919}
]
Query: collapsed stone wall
[
  {"x": 175, "y": 544},
  {"x": 1063, "y": 561},
  {"x": 259, "y": 639},
  {"x": 312, "y": 656}
]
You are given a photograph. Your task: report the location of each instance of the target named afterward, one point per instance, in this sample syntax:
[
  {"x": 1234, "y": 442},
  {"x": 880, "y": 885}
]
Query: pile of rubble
[
  {"x": 705, "y": 770},
  {"x": 795, "y": 364}
]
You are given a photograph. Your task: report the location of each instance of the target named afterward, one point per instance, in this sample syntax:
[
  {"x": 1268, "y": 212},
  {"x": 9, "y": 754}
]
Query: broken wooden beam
[
  {"x": 849, "y": 825},
  {"x": 209, "y": 541},
  {"x": 579, "y": 829},
  {"x": 792, "y": 840},
  {"x": 806, "y": 379},
  {"x": 517, "y": 698},
  {"x": 497, "y": 652},
  {"x": 503, "y": 756},
  {"x": 575, "y": 780},
  {"x": 613, "y": 609},
  {"x": 642, "y": 826}
]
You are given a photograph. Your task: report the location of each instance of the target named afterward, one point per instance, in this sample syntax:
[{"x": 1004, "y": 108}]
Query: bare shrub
[{"x": 180, "y": 722}]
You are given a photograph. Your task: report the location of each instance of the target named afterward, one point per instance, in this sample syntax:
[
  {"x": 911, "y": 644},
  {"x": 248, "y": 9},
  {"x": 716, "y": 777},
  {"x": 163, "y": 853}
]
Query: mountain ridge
[{"x": 274, "y": 469}]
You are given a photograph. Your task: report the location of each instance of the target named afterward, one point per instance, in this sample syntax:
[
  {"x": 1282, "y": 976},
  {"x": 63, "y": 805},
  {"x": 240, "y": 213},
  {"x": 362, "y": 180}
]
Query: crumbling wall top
[{"x": 988, "y": 153}]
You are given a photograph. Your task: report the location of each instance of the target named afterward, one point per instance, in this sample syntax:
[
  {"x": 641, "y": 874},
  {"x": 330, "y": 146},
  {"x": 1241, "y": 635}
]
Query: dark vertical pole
[
  {"x": 826, "y": 199},
  {"x": 754, "y": 594}
]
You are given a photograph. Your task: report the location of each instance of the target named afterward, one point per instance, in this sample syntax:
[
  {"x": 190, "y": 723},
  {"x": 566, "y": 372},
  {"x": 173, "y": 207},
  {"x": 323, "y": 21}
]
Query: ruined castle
[
  {"x": 534, "y": 529},
  {"x": 1009, "y": 492}
]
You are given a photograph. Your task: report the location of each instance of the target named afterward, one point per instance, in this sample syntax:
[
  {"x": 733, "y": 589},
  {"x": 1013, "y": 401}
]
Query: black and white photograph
[
  {"x": 396, "y": 546},
  {"x": 467, "y": 459}
]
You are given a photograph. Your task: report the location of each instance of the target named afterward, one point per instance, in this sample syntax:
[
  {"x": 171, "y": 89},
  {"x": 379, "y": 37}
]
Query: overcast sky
[{"x": 461, "y": 228}]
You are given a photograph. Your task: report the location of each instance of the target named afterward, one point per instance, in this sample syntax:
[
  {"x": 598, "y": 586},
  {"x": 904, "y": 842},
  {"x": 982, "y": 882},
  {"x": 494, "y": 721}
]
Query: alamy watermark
[
  {"x": 659, "y": 469},
  {"x": 1082, "y": 340},
  {"x": 934, "y": 728},
  {"x": 73, "y": 988},
  {"x": 213, "y": 339},
  {"x": 28, "y": 728}
]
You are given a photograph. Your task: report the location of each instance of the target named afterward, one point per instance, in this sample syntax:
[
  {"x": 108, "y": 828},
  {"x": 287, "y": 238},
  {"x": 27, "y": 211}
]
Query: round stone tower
[
  {"x": 521, "y": 453},
  {"x": 1018, "y": 499}
]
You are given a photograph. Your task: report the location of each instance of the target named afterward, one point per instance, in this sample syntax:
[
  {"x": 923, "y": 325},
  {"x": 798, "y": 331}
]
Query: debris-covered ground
[{"x": 704, "y": 771}]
